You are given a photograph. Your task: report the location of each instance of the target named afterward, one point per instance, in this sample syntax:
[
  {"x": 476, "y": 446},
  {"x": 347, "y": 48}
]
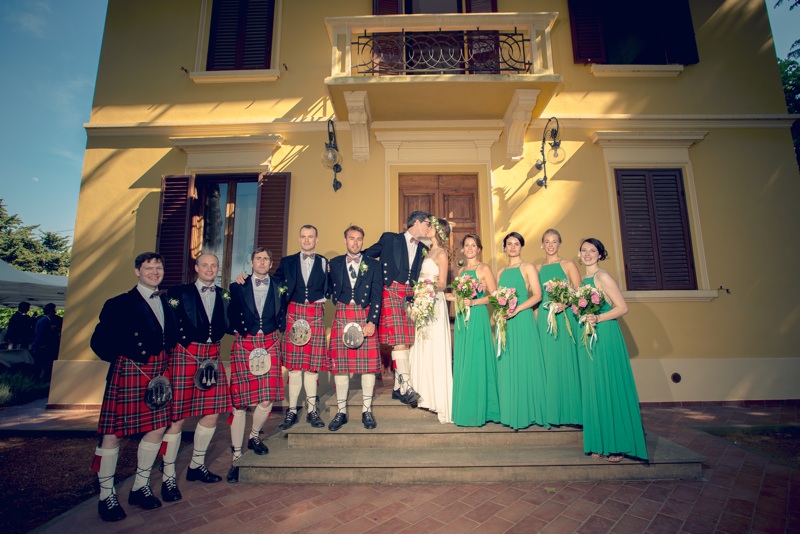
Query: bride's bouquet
[
  {"x": 465, "y": 287},
  {"x": 587, "y": 300},
  {"x": 504, "y": 302},
  {"x": 423, "y": 300},
  {"x": 559, "y": 292}
]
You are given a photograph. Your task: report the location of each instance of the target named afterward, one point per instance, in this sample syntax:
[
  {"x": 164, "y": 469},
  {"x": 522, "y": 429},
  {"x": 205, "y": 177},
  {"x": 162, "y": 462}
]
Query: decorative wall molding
[
  {"x": 241, "y": 151},
  {"x": 360, "y": 120},
  {"x": 517, "y": 119}
]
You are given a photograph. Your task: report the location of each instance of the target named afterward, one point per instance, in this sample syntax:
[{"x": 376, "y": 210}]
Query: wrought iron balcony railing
[{"x": 461, "y": 44}]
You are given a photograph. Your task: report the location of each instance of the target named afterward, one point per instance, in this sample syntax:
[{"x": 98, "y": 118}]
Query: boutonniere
[
  {"x": 174, "y": 303},
  {"x": 363, "y": 267},
  {"x": 424, "y": 252},
  {"x": 282, "y": 290},
  {"x": 226, "y": 295}
]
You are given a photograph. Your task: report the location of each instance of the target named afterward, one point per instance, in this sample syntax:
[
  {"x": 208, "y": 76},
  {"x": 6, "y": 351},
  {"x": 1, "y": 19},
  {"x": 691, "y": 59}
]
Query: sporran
[
  {"x": 300, "y": 333},
  {"x": 260, "y": 361},
  {"x": 207, "y": 375},
  {"x": 158, "y": 392},
  {"x": 352, "y": 335}
]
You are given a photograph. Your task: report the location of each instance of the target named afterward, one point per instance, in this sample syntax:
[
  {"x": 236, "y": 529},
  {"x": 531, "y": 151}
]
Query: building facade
[{"x": 673, "y": 148}]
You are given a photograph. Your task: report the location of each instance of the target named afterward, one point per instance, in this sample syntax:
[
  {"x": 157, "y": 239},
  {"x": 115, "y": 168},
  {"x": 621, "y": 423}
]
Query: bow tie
[
  {"x": 260, "y": 281},
  {"x": 308, "y": 256},
  {"x": 353, "y": 259},
  {"x": 414, "y": 240},
  {"x": 208, "y": 288},
  {"x": 157, "y": 293}
]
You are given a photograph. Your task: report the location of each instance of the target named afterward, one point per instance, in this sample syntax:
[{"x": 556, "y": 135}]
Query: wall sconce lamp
[
  {"x": 552, "y": 136},
  {"x": 331, "y": 158}
]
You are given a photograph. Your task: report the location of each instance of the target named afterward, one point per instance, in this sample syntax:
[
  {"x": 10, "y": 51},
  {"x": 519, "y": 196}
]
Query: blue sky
[{"x": 50, "y": 50}]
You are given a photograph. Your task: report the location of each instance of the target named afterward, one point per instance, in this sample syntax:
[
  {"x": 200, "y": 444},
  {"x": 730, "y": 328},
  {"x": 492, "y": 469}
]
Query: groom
[{"x": 401, "y": 256}]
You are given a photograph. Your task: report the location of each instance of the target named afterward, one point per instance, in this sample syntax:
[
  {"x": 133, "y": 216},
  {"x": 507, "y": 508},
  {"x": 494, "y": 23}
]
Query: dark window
[
  {"x": 241, "y": 35},
  {"x": 633, "y": 32},
  {"x": 408, "y": 7},
  {"x": 656, "y": 241},
  {"x": 228, "y": 215}
]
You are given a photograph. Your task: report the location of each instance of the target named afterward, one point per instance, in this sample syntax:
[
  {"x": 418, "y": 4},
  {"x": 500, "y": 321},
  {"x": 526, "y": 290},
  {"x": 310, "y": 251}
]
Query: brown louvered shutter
[
  {"x": 272, "y": 215},
  {"x": 241, "y": 35},
  {"x": 387, "y": 7},
  {"x": 174, "y": 218},
  {"x": 587, "y": 31},
  {"x": 656, "y": 242},
  {"x": 481, "y": 6}
]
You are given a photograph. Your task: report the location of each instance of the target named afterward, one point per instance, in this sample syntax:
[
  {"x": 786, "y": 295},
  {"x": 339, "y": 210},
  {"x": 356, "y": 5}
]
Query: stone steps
[{"x": 418, "y": 449}]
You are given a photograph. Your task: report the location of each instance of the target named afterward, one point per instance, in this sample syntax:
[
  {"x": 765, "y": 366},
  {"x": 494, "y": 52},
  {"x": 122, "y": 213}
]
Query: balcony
[{"x": 443, "y": 67}]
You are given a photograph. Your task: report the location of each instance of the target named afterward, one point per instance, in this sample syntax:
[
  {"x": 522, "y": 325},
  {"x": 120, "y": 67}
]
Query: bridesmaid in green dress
[
  {"x": 520, "y": 368},
  {"x": 560, "y": 350},
  {"x": 475, "y": 399},
  {"x": 612, "y": 424}
]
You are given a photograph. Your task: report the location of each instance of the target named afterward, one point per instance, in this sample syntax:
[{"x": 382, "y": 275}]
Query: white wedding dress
[{"x": 432, "y": 355}]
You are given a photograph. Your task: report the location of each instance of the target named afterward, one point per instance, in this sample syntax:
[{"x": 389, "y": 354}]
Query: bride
[{"x": 432, "y": 353}]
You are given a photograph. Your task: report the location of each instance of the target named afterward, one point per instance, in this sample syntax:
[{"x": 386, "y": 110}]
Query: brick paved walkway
[{"x": 740, "y": 492}]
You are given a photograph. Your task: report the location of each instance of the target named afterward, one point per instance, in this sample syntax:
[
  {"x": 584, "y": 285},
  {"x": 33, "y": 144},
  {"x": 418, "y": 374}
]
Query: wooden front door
[{"x": 450, "y": 196}]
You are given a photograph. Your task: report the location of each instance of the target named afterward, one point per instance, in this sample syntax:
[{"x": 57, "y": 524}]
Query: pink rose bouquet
[
  {"x": 559, "y": 292},
  {"x": 504, "y": 302},
  {"x": 587, "y": 300},
  {"x": 465, "y": 287}
]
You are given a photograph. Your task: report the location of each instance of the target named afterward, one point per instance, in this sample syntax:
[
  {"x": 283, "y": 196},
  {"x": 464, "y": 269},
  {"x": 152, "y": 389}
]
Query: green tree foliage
[
  {"x": 790, "y": 76},
  {"x": 29, "y": 249}
]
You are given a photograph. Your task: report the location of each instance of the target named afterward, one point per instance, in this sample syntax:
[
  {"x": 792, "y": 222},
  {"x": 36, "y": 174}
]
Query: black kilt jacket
[
  {"x": 243, "y": 315},
  {"x": 392, "y": 251},
  {"x": 190, "y": 314},
  {"x": 367, "y": 290}
]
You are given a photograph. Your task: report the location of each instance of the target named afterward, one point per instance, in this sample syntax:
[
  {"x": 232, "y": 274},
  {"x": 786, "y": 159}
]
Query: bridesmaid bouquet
[
  {"x": 465, "y": 287},
  {"x": 587, "y": 300},
  {"x": 504, "y": 302},
  {"x": 420, "y": 309},
  {"x": 559, "y": 292}
]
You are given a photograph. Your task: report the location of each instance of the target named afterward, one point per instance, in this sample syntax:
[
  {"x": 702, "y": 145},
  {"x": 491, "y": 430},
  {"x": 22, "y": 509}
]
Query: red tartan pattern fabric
[
  {"x": 123, "y": 411},
  {"x": 313, "y": 355},
  {"x": 364, "y": 359},
  {"x": 187, "y": 400},
  {"x": 395, "y": 328},
  {"x": 246, "y": 388}
]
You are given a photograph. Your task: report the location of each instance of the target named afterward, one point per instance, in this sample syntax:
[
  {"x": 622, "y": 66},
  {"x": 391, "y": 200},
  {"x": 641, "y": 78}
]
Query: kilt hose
[
  {"x": 313, "y": 355},
  {"x": 123, "y": 411},
  {"x": 364, "y": 359},
  {"x": 395, "y": 328},
  {"x": 187, "y": 400},
  {"x": 246, "y": 388}
]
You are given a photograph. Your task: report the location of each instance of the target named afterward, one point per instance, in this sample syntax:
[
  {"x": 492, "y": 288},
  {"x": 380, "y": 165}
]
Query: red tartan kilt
[
  {"x": 395, "y": 328},
  {"x": 312, "y": 355},
  {"x": 364, "y": 359},
  {"x": 123, "y": 411},
  {"x": 187, "y": 400},
  {"x": 248, "y": 389}
]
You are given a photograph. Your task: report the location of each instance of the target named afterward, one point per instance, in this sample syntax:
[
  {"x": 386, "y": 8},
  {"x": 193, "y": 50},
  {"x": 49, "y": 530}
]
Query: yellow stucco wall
[{"x": 744, "y": 176}]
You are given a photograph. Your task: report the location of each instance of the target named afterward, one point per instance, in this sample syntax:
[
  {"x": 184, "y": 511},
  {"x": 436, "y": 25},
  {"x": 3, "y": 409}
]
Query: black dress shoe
[
  {"x": 288, "y": 421},
  {"x": 396, "y": 394},
  {"x": 202, "y": 474},
  {"x": 144, "y": 497},
  {"x": 110, "y": 509},
  {"x": 257, "y": 446},
  {"x": 368, "y": 420},
  {"x": 313, "y": 419},
  {"x": 337, "y": 422},
  {"x": 233, "y": 475},
  {"x": 411, "y": 397},
  {"x": 170, "y": 491}
]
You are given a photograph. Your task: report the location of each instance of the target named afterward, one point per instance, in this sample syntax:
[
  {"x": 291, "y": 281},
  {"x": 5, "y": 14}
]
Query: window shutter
[
  {"x": 656, "y": 242},
  {"x": 272, "y": 215},
  {"x": 481, "y": 6},
  {"x": 174, "y": 217},
  {"x": 587, "y": 31},
  {"x": 387, "y": 7},
  {"x": 241, "y": 35},
  {"x": 679, "y": 39}
]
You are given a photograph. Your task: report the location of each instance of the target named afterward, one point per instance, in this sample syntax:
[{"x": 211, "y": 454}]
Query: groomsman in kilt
[
  {"x": 304, "y": 346},
  {"x": 199, "y": 385},
  {"x": 255, "y": 317},
  {"x": 135, "y": 332},
  {"x": 401, "y": 257},
  {"x": 356, "y": 290}
]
